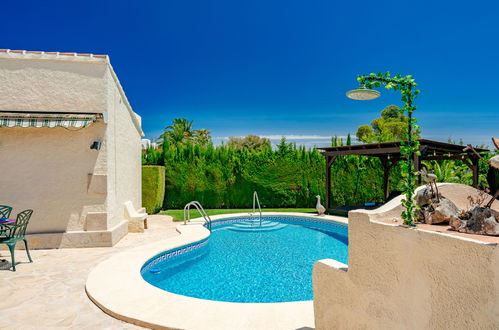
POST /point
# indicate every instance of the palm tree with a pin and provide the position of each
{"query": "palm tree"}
(179, 132)
(201, 136)
(449, 171)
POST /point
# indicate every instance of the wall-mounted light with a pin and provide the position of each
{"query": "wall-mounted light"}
(96, 145)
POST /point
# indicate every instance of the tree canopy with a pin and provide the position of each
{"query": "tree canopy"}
(389, 127)
(251, 141)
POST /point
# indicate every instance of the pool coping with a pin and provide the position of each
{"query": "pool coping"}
(117, 287)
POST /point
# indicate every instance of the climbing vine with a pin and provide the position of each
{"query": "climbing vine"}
(409, 145)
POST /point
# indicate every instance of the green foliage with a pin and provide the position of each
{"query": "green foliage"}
(336, 141)
(365, 134)
(389, 127)
(409, 143)
(152, 156)
(289, 176)
(181, 132)
(448, 172)
(252, 142)
(153, 187)
(349, 140)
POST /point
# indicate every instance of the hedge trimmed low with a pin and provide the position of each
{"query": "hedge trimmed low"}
(153, 187)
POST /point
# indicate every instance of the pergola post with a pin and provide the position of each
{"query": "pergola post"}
(329, 163)
(474, 161)
(417, 166)
(473, 165)
(386, 176)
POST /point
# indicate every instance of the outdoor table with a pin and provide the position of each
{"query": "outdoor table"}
(4, 222)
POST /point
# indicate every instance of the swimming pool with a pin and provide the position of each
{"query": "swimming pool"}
(244, 262)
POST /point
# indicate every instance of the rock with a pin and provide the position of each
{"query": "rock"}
(480, 220)
(457, 224)
(423, 197)
(433, 212)
(443, 211)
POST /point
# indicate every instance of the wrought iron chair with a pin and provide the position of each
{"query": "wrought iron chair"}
(15, 232)
(5, 211)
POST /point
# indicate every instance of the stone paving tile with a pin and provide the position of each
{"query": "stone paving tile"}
(50, 292)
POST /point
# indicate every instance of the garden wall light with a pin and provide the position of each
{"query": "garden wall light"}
(363, 94)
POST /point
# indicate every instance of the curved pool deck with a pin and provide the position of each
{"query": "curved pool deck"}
(117, 287)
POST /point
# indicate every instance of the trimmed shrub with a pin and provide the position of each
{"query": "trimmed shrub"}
(290, 176)
(153, 187)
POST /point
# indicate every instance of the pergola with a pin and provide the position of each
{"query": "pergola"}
(389, 155)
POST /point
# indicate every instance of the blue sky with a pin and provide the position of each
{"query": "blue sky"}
(276, 68)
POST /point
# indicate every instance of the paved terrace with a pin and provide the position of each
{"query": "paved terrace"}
(50, 292)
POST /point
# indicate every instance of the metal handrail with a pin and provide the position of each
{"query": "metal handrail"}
(199, 207)
(257, 200)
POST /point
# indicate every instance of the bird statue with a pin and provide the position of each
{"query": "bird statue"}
(494, 162)
(320, 209)
(430, 179)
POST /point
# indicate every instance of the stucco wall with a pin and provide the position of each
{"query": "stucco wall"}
(72, 189)
(124, 161)
(404, 278)
(52, 85)
(46, 169)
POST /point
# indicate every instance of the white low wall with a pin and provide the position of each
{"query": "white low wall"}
(406, 278)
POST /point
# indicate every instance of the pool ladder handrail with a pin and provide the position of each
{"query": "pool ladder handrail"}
(256, 201)
(199, 207)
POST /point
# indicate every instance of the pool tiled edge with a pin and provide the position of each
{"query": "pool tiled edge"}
(117, 287)
(172, 254)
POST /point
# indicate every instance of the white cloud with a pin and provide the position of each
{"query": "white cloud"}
(308, 141)
(288, 137)
(297, 137)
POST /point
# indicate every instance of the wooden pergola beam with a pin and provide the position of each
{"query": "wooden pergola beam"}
(446, 157)
(367, 152)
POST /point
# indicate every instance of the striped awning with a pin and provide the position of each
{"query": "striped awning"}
(40, 119)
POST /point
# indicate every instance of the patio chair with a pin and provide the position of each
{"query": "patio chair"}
(15, 232)
(5, 211)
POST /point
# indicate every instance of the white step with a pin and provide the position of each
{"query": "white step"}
(255, 226)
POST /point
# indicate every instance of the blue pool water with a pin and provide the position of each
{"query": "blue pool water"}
(248, 266)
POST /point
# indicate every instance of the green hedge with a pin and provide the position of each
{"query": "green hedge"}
(291, 177)
(153, 187)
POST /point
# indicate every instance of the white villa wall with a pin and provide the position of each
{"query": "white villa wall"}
(124, 162)
(46, 169)
(77, 193)
(73, 84)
